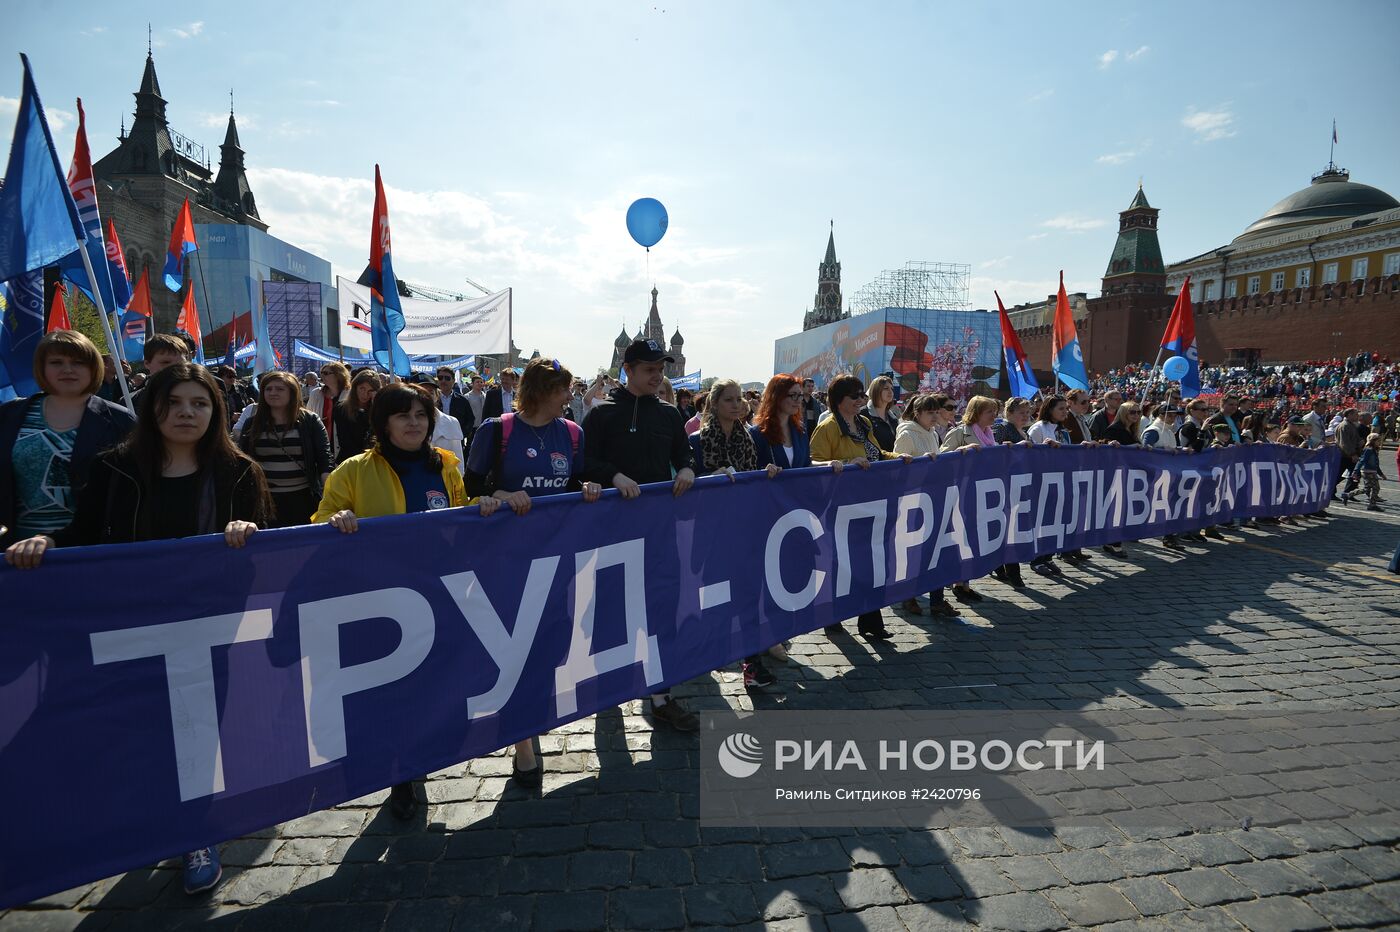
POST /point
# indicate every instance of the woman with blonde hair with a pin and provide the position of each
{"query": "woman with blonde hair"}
(974, 433)
(976, 427)
(724, 446)
(668, 392)
(1016, 419)
(48, 441)
(880, 410)
(289, 443)
(1126, 429)
(335, 385)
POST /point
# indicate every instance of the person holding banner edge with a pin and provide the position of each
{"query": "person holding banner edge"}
(849, 437)
(66, 422)
(723, 446)
(401, 473)
(632, 438)
(177, 474)
(529, 450)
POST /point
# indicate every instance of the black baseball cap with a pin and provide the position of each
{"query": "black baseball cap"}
(1297, 420)
(646, 351)
(1222, 428)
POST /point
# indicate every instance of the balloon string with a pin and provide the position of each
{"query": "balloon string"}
(648, 263)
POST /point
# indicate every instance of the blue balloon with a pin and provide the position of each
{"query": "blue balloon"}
(1176, 368)
(646, 221)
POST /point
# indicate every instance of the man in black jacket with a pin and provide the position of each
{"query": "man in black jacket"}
(450, 401)
(631, 438)
(1099, 423)
(502, 399)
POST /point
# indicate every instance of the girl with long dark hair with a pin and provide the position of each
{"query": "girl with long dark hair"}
(353, 432)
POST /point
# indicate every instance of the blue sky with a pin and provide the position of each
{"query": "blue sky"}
(512, 137)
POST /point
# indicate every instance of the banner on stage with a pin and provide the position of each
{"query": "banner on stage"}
(478, 326)
(311, 667)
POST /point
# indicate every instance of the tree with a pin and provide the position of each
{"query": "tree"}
(83, 314)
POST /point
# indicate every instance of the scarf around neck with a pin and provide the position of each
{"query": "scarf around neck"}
(736, 450)
(858, 433)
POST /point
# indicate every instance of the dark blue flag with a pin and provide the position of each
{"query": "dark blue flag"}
(38, 220)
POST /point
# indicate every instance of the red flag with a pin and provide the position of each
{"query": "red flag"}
(116, 266)
(188, 320)
(141, 297)
(182, 242)
(58, 312)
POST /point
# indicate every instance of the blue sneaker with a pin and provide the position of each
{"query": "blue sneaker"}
(202, 870)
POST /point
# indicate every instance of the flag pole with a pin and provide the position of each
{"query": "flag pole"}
(107, 328)
(204, 286)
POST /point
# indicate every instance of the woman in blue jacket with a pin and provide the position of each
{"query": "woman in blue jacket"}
(778, 433)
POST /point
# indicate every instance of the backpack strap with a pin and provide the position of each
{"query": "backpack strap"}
(575, 434)
(507, 422)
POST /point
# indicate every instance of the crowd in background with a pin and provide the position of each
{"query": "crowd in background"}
(203, 452)
(1366, 381)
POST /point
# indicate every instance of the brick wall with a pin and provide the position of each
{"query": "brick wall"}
(1293, 325)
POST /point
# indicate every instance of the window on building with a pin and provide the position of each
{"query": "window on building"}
(1392, 264)
(1209, 291)
(1277, 283)
(1329, 273)
(1253, 286)
(1359, 267)
(1232, 288)
(1304, 278)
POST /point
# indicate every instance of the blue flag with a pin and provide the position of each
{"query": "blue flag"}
(385, 312)
(38, 220)
(21, 328)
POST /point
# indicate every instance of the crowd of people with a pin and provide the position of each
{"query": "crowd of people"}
(1368, 382)
(202, 453)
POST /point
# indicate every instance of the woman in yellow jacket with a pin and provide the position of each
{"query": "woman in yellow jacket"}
(848, 437)
(402, 473)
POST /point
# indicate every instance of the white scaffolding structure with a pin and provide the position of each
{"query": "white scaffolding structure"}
(919, 285)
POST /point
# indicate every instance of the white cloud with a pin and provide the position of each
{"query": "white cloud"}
(59, 120)
(1115, 158)
(1038, 236)
(1073, 224)
(1210, 125)
(1139, 52)
(212, 120)
(94, 31)
(577, 276)
(188, 32)
(1108, 58)
(1037, 98)
(994, 263)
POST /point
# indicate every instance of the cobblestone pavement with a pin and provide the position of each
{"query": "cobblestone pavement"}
(1289, 613)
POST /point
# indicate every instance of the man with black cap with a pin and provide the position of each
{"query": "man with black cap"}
(631, 438)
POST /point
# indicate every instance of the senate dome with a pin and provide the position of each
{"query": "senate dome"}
(1332, 196)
